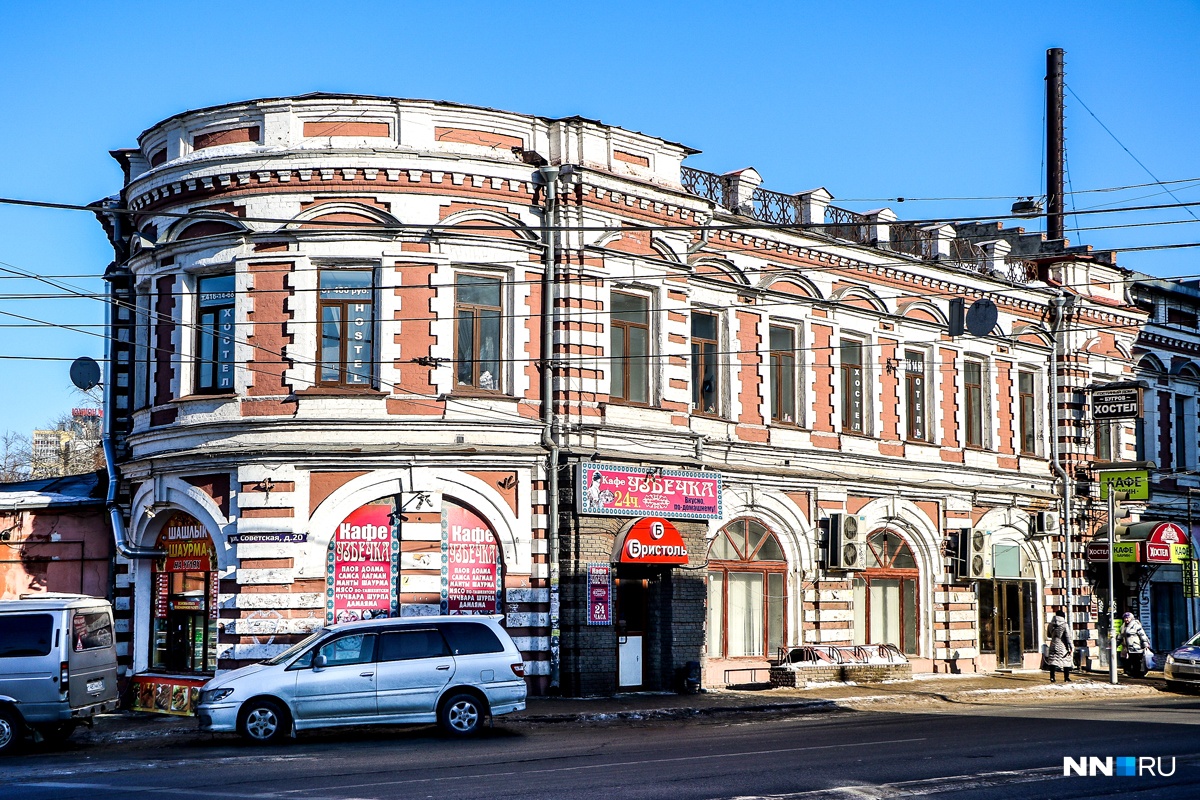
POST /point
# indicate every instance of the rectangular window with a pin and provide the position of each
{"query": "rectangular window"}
(91, 630)
(706, 384)
(477, 315)
(346, 312)
(25, 635)
(1180, 432)
(716, 614)
(630, 348)
(1104, 441)
(783, 374)
(1028, 412)
(973, 402)
(917, 428)
(214, 334)
(853, 390)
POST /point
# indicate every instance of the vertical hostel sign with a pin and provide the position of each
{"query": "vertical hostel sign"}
(363, 566)
(472, 579)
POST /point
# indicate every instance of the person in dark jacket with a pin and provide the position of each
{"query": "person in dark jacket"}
(1059, 647)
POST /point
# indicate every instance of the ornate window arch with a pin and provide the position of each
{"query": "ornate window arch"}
(886, 609)
(747, 591)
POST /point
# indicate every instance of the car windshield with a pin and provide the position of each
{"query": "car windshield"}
(296, 648)
(1193, 642)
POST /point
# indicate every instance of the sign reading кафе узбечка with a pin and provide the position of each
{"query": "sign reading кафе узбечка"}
(612, 490)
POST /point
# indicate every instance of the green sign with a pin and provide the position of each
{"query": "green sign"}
(1126, 552)
(1191, 578)
(1134, 481)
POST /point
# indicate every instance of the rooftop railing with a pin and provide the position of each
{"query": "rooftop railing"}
(919, 241)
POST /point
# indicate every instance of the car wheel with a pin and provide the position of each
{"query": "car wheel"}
(57, 733)
(462, 715)
(10, 730)
(263, 721)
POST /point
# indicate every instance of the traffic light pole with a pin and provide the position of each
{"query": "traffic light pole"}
(1112, 598)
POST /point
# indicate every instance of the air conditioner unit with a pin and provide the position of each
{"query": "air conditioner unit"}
(974, 560)
(847, 547)
(1046, 523)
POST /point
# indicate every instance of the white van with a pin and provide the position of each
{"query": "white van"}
(455, 671)
(58, 665)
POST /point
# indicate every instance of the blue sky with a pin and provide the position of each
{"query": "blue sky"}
(871, 100)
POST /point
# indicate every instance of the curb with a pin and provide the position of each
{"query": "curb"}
(149, 726)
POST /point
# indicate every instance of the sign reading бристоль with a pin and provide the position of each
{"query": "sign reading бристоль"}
(622, 491)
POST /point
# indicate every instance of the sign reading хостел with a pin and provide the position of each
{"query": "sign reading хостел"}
(621, 491)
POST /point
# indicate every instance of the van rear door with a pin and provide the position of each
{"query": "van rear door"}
(91, 657)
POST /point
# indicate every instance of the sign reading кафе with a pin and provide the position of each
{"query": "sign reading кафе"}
(622, 491)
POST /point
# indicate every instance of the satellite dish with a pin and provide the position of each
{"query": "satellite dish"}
(85, 373)
(981, 317)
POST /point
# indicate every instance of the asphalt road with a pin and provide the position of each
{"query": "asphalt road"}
(994, 750)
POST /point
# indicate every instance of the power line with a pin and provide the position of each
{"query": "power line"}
(310, 224)
(1127, 150)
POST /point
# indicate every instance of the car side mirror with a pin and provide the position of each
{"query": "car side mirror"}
(320, 662)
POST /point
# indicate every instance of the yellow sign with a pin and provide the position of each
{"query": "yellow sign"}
(1127, 552)
(1136, 482)
(1180, 553)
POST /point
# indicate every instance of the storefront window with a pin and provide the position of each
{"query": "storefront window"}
(184, 635)
(747, 592)
(885, 594)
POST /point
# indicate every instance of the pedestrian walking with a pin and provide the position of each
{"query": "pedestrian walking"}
(1059, 649)
(1136, 644)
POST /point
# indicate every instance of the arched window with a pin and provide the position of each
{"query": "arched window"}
(885, 594)
(747, 592)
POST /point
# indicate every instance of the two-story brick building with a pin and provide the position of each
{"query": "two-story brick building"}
(338, 319)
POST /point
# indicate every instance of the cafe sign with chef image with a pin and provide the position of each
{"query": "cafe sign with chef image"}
(621, 491)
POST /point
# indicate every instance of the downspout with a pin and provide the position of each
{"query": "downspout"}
(1056, 305)
(120, 535)
(549, 414)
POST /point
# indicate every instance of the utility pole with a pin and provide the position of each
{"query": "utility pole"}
(1055, 144)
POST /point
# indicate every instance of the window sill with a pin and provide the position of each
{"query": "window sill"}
(199, 397)
(480, 395)
(619, 401)
(338, 391)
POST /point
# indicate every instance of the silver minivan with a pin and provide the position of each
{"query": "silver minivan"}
(58, 665)
(454, 670)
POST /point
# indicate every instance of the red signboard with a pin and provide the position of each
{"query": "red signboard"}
(189, 547)
(599, 588)
(472, 577)
(652, 540)
(363, 562)
(634, 491)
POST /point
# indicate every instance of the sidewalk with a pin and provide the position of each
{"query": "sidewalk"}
(923, 690)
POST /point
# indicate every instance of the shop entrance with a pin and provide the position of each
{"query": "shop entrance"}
(1169, 610)
(1006, 620)
(184, 636)
(631, 616)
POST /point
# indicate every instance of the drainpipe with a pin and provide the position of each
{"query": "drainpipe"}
(120, 537)
(1056, 305)
(549, 414)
